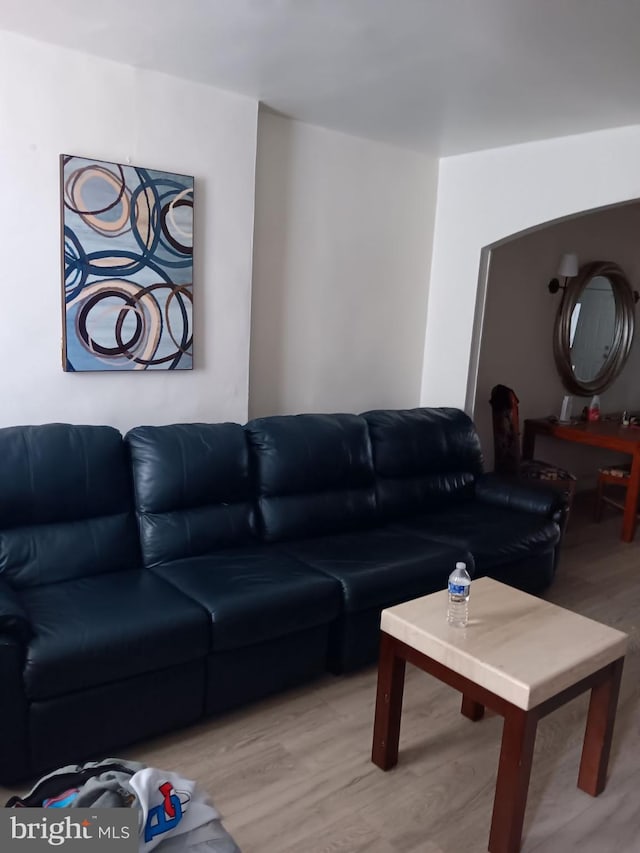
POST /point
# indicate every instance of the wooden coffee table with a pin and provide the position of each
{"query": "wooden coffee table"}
(520, 656)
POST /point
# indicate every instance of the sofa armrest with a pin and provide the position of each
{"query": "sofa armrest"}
(14, 621)
(511, 493)
(15, 762)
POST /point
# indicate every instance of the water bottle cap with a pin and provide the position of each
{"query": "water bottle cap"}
(461, 565)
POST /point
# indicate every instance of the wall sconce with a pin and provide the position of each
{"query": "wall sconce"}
(568, 269)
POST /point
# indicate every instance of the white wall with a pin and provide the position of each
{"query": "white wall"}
(516, 348)
(341, 265)
(487, 196)
(55, 101)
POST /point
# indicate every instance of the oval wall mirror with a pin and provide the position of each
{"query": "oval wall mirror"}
(594, 328)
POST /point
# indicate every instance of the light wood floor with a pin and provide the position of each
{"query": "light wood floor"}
(293, 774)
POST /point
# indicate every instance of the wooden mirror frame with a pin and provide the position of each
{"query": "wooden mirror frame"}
(624, 299)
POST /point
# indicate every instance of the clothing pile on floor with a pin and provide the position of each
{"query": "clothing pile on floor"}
(176, 816)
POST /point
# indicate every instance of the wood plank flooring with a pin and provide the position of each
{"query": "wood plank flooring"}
(293, 774)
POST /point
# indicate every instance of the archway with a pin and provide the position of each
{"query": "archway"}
(516, 313)
(484, 196)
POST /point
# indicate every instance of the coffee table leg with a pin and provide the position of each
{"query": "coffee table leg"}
(386, 727)
(512, 785)
(471, 709)
(599, 732)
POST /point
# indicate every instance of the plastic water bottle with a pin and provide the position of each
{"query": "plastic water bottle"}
(459, 587)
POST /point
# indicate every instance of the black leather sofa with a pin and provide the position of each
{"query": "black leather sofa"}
(187, 569)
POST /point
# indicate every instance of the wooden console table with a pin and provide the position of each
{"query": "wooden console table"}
(607, 434)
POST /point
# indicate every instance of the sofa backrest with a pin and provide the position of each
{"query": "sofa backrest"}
(66, 508)
(423, 458)
(192, 489)
(313, 473)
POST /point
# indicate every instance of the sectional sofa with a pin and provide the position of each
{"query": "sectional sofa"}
(184, 570)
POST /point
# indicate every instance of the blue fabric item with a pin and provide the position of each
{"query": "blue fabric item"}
(62, 801)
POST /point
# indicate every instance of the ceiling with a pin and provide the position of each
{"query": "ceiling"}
(444, 76)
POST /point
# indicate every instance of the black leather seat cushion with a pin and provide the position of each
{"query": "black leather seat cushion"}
(106, 628)
(380, 567)
(254, 594)
(492, 534)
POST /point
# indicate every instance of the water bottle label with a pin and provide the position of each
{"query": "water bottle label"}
(458, 588)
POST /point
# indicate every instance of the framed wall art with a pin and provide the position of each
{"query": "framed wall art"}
(127, 244)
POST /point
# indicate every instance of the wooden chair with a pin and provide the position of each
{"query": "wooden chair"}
(614, 475)
(508, 450)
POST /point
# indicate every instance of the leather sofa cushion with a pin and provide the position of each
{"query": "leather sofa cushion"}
(14, 621)
(514, 493)
(314, 474)
(254, 594)
(106, 628)
(493, 535)
(379, 568)
(66, 508)
(192, 489)
(51, 553)
(423, 458)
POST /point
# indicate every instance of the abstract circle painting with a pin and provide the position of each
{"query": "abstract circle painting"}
(127, 244)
